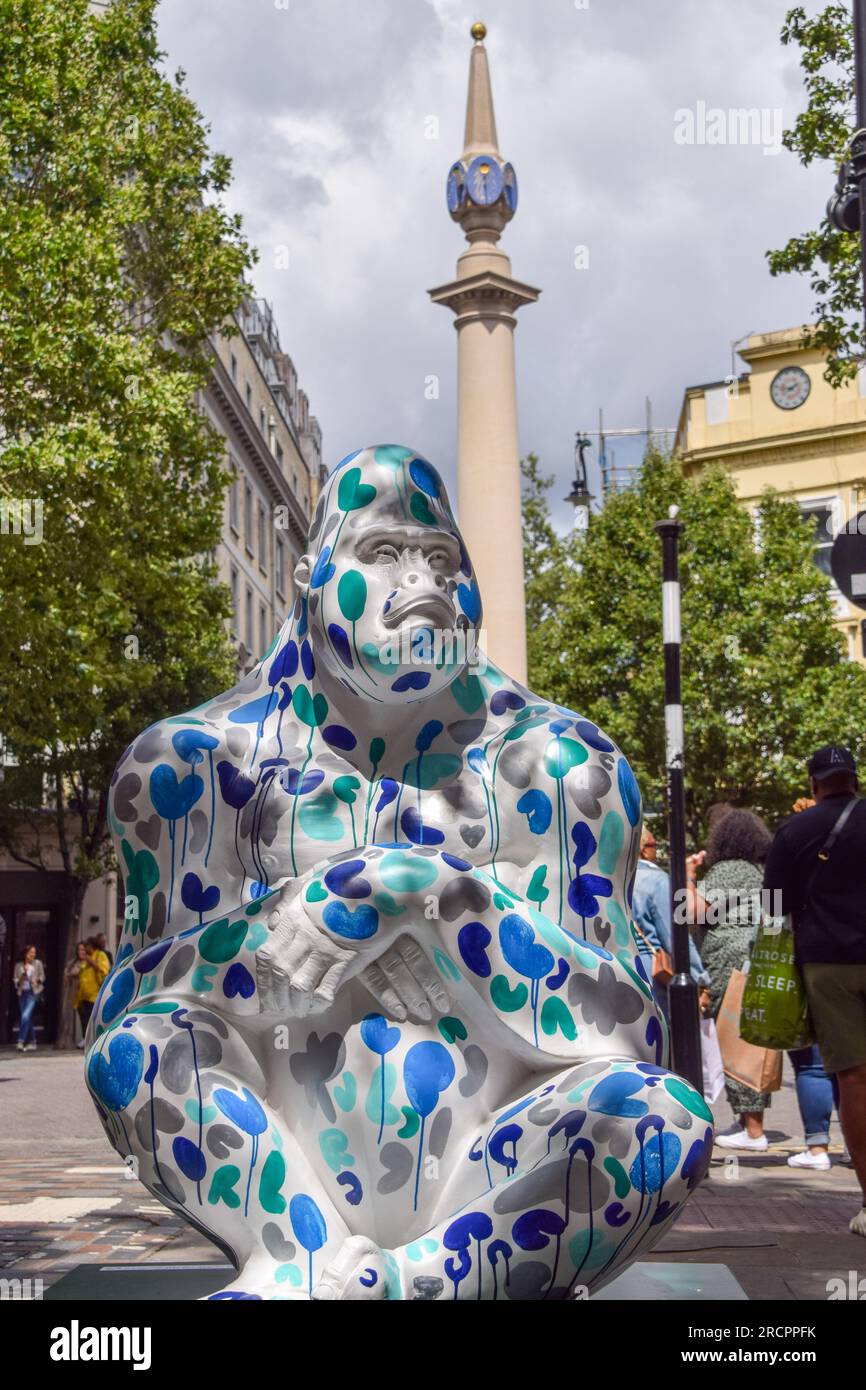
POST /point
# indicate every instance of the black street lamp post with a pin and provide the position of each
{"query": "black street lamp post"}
(847, 206)
(682, 990)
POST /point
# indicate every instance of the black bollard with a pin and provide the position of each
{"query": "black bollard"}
(682, 990)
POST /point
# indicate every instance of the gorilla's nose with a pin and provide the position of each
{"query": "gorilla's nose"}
(413, 577)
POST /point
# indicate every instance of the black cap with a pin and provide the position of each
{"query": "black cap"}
(830, 760)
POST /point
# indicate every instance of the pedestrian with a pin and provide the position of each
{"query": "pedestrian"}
(93, 970)
(736, 852)
(102, 943)
(816, 867)
(816, 1092)
(29, 980)
(71, 978)
(651, 910)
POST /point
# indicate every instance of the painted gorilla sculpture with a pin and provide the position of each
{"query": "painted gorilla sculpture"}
(378, 1024)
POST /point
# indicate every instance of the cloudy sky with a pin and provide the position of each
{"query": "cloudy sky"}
(327, 108)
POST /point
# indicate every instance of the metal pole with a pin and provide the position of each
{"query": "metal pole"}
(858, 150)
(682, 991)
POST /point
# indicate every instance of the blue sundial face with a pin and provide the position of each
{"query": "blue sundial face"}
(484, 180)
(510, 180)
(455, 189)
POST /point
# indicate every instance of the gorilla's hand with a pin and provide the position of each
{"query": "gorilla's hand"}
(300, 967)
(405, 982)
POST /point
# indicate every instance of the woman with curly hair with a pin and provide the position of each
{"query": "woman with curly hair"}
(736, 852)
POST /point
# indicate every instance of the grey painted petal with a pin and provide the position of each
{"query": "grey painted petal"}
(476, 1071)
(465, 731)
(517, 764)
(237, 740)
(157, 915)
(528, 1281)
(176, 1063)
(463, 894)
(160, 1115)
(198, 828)
(399, 1163)
(150, 831)
(178, 964)
(152, 745)
(276, 1243)
(125, 793)
(472, 835)
(439, 1132)
(222, 1138)
(427, 1287)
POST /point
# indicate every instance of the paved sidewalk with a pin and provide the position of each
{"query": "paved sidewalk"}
(66, 1198)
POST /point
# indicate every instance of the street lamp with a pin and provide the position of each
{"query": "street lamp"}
(580, 496)
(847, 206)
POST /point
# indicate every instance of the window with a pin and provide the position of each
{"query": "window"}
(235, 602)
(279, 454)
(248, 517)
(262, 539)
(823, 517)
(263, 629)
(263, 425)
(234, 507)
(280, 558)
(234, 368)
(295, 483)
(251, 636)
(249, 396)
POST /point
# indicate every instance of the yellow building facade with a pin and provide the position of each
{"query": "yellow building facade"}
(781, 425)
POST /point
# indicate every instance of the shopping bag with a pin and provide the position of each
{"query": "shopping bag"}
(775, 1010)
(759, 1068)
(711, 1056)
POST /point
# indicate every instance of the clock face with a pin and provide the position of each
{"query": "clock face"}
(510, 180)
(790, 388)
(484, 180)
(455, 189)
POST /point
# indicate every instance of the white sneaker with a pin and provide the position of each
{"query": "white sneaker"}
(20, 1047)
(741, 1140)
(820, 1162)
(31, 1047)
(857, 1224)
(846, 1157)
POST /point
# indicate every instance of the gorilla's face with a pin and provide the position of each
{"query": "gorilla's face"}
(394, 610)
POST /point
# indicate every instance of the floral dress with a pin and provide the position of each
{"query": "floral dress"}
(726, 945)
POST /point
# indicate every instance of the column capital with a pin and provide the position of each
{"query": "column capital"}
(486, 295)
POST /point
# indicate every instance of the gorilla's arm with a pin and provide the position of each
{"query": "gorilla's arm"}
(564, 997)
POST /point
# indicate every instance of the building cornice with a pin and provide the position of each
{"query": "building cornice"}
(255, 448)
(779, 448)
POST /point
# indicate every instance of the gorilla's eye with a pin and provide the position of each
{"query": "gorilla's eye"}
(386, 554)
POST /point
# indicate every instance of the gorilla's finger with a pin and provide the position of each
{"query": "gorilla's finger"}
(425, 973)
(404, 983)
(382, 991)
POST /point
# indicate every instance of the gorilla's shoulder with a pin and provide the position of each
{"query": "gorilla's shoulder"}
(175, 747)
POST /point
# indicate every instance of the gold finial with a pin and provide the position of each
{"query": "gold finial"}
(478, 32)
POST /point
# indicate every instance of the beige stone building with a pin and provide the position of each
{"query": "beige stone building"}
(274, 450)
(781, 425)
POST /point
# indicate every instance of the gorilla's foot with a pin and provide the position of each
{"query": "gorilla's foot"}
(357, 1273)
(257, 1281)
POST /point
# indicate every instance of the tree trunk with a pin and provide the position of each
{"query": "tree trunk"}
(76, 889)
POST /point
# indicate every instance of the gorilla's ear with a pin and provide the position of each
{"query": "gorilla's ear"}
(302, 574)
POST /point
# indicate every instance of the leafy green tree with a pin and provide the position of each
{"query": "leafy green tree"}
(116, 261)
(823, 131)
(764, 679)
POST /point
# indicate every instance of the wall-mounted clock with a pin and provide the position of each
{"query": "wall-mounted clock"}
(790, 388)
(484, 180)
(455, 189)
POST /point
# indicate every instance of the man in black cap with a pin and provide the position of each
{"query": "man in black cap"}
(817, 863)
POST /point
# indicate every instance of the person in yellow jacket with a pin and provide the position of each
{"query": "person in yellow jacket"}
(93, 968)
